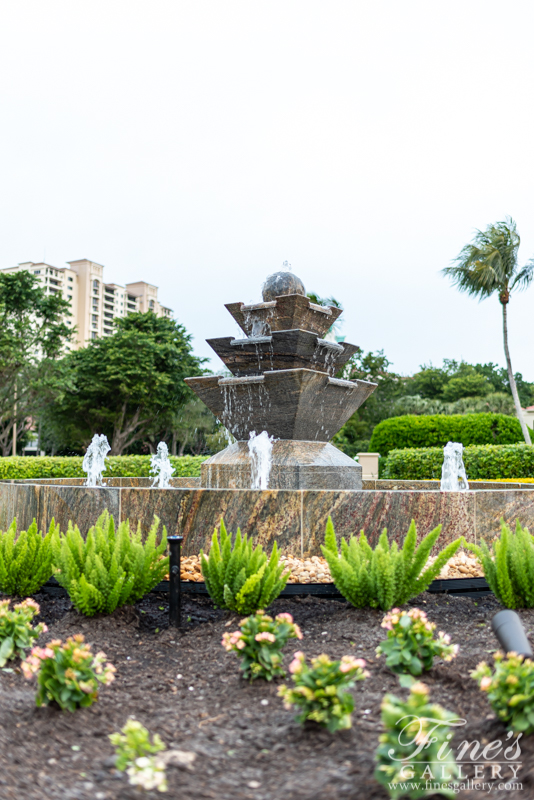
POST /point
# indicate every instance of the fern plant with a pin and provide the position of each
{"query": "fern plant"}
(240, 578)
(386, 576)
(509, 566)
(111, 567)
(25, 560)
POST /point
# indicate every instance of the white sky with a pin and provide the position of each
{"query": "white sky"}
(197, 144)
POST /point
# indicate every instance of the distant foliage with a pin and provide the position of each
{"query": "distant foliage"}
(386, 576)
(26, 467)
(436, 430)
(25, 560)
(111, 567)
(320, 691)
(484, 462)
(509, 566)
(240, 578)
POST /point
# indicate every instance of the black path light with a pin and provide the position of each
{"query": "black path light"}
(509, 630)
(175, 594)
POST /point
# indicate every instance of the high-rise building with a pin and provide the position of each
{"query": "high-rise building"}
(94, 304)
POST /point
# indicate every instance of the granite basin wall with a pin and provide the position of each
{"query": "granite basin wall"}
(296, 519)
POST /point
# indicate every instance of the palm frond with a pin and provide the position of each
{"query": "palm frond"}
(524, 276)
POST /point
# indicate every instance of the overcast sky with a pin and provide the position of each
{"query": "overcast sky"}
(197, 144)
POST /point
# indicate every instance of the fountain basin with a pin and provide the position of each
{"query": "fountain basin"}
(295, 519)
(289, 404)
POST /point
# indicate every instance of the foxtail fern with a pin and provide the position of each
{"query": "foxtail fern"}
(509, 566)
(111, 567)
(386, 576)
(25, 560)
(240, 578)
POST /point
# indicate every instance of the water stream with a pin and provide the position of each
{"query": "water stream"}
(161, 467)
(453, 477)
(94, 460)
(260, 447)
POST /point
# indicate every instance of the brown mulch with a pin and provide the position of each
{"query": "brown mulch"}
(184, 686)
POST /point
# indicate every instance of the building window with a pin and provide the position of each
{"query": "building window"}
(69, 297)
(95, 287)
(37, 272)
(93, 335)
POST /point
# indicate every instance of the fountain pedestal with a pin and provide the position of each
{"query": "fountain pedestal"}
(283, 384)
(295, 465)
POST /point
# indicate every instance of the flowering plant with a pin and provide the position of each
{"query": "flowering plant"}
(135, 754)
(259, 642)
(413, 747)
(321, 691)
(16, 632)
(67, 673)
(510, 690)
(410, 646)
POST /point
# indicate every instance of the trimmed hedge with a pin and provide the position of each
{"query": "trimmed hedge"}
(435, 430)
(22, 467)
(482, 462)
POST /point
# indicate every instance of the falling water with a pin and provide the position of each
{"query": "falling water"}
(161, 467)
(94, 460)
(261, 457)
(453, 477)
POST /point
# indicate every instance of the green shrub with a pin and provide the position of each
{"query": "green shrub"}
(240, 578)
(510, 690)
(321, 691)
(386, 576)
(410, 646)
(137, 755)
(27, 467)
(484, 462)
(259, 644)
(435, 430)
(413, 753)
(16, 631)
(25, 560)
(509, 566)
(110, 568)
(67, 674)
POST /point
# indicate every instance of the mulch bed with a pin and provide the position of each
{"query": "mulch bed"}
(184, 686)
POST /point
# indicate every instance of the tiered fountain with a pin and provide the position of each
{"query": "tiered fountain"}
(283, 383)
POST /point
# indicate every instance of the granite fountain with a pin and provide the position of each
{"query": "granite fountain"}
(284, 386)
(283, 383)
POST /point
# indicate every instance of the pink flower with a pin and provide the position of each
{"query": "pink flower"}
(485, 683)
(298, 632)
(265, 637)
(241, 644)
(284, 618)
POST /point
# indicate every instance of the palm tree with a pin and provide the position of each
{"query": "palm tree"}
(489, 265)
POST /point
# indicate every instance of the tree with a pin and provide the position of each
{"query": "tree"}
(33, 334)
(489, 266)
(129, 384)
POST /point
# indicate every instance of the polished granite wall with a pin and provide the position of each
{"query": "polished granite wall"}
(295, 519)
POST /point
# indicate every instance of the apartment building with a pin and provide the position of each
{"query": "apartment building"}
(94, 303)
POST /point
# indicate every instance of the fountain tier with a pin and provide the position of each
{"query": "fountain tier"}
(289, 404)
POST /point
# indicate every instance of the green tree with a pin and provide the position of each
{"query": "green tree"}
(487, 266)
(33, 335)
(127, 385)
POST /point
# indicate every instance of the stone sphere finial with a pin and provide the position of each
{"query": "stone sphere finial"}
(280, 283)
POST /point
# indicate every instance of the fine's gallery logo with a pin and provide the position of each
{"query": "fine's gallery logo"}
(472, 764)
